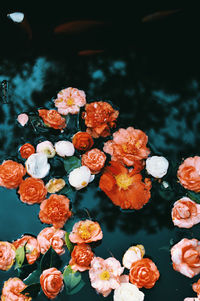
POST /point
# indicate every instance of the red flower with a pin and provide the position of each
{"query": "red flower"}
(26, 150)
(82, 141)
(11, 174)
(82, 256)
(52, 119)
(94, 159)
(32, 191)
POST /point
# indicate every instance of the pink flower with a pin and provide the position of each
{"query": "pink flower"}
(105, 274)
(32, 248)
(189, 173)
(70, 100)
(51, 236)
(51, 281)
(22, 119)
(11, 290)
(7, 255)
(85, 232)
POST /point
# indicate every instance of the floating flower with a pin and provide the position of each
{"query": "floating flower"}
(133, 254)
(189, 173)
(157, 166)
(94, 159)
(46, 147)
(144, 273)
(82, 141)
(191, 299)
(196, 288)
(55, 185)
(26, 150)
(186, 257)
(80, 177)
(23, 119)
(128, 145)
(51, 237)
(51, 282)
(11, 174)
(52, 119)
(7, 255)
(37, 165)
(32, 191)
(128, 292)
(64, 148)
(55, 210)
(12, 290)
(31, 247)
(85, 232)
(81, 258)
(125, 188)
(70, 100)
(185, 213)
(99, 118)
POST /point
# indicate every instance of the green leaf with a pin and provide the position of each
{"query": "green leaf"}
(73, 281)
(67, 190)
(26, 270)
(50, 259)
(194, 196)
(77, 288)
(69, 244)
(33, 277)
(32, 290)
(71, 163)
(19, 256)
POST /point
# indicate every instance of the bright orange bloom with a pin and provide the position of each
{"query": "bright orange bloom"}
(82, 141)
(94, 159)
(26, 150)
(11, 174)
(85, 232)
(51, 281)
(32, 191)
(188, 173)
(31, 246)
(52, 119)
(196, 287)
(82, 256)
(125, 188)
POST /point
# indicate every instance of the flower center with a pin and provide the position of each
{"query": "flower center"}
(70, 101)
(124, 181)
(105, 275)
(84, 232)
(84, 183)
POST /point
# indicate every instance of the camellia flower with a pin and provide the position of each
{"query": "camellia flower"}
(51, 237)
(37, 165)
(64, 148)
(99, 118)
(196, 288)
(128, 145)
(133, 254)
(12, 290)
(124, 187)
(191, 299)
(7, 255)
(46, 147)
(189, 173)
(32, 191)
(85, 232)
(82, 141)
(81, 258)
(80, 177)
(51, 281)
(55, 210)
(70, 100)
(31, 247)
(26, 150)
(186, 257)
(11, 174)
(23, 119)
(52, 119)
(144, 273)
(94, 159)
(128, 292)
(185, 213)
(157, 166)
(55, 185)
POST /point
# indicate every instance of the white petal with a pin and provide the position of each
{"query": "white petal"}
(16, 17)
(80, 177)
(64, 148)
(46, 147)
(157, 166)
(37, 165)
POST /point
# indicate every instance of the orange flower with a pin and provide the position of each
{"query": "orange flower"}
(55, 210)
(52, 119)
(144, 273)
(124, 187)
(196, 287)
(11, 174)
(99, 118)
(7, 255)
(12, 289)
(94, 159)
(82, 256)
(32, 248)
(85, 232)
(189, 173)
(32, 191)
(82, 141)
(51, 282)
(26, 150)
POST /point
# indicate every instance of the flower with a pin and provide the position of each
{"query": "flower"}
(51, 282)
(26, 150)
(37, 165)
(196, 287)
(186, 257)
(23, 119)
(46, 147)
(85, 232)
(128, 145)
(99, 118)
(94, 159)
(125, 188)
(55, 210)
(185, 213)
(128, 292)
(32, 191)
(12, 289)
(52, 119)
(80, 177)
(31, 247)
(133, 254)
(189, 173)
(70, 100)
(144, 273)
(82, 141)
(191, 299)
(105, 274)
(64, 148)
(11, 174)
(7, 255)
(157, 166)
(81, 258)
(55, 185)
(51, 237)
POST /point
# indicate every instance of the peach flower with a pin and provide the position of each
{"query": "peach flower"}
(85, 232)
(186, 257)
(11, 174)
(94, 159)
(51, 282)
(81, 258)
(55, 185)
(32, 191)
(185, 213)
(128, 145)
(12, 289)
(23, 119)
(7, 255)
(52, 119)
(51, 237)
(26, 150)
(133, 254)
(82, 141)
(70, 100)
(32, 248)
(189, 173)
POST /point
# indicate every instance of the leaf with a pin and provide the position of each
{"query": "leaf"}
(32, 290)
(69, 244)
(71, 163)
(67, 190)
(50, 259)
(19, 256)
(73, 281)
(77, 288)
(33, 277)
(26, 270)
(194, 196)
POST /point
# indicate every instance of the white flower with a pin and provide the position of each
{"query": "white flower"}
(80, 177)
(46, 147)
(17, 17)
(22, 119)
(128, 292)
(64, 148)
(37, 165)
(157, 166)
(133, 254)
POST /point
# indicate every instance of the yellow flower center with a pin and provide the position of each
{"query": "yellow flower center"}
(60, 99)
(124, 181)
(105, 275)
(84, 183)
(84, 232)
(70, 101)
(124, 147)
(138, 144)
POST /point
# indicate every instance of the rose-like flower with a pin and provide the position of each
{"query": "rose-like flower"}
(32, 191)
(52, 119)
(55, 210)
(82, 141)
(157, 166)
(12, 289)
(133, 254)
(37, 165)
(81, 258)
(64, 148)
(70, 100)
(51, 282)
(11, 174)
(189, 173)
(128, 292)
(55, 185)
(144, 273)
(94, 159)
(23, 119)
(185, 213)
(80, 177)
(46, 147)
(26, 150)
(196, 288)
(7, 255)
(85, 232)
(32, 248)
(51, 237)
